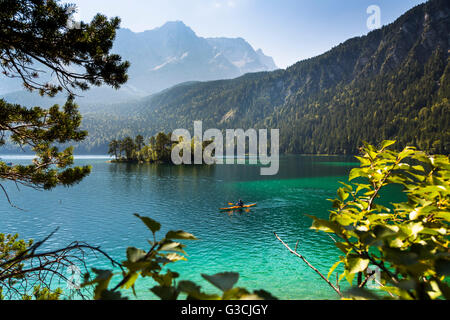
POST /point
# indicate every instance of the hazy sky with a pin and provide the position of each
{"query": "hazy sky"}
(287, 30)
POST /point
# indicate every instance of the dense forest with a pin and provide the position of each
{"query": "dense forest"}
(390, 84)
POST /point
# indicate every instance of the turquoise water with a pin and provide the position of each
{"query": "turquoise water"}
(100, 210)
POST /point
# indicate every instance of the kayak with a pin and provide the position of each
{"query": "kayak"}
(239, 207)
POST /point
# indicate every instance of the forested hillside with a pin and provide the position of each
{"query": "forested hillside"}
(391, 84)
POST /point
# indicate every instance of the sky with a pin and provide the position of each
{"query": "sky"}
(287, 30)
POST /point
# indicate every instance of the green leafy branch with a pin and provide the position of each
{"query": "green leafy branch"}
(151, 264)
(408, 242)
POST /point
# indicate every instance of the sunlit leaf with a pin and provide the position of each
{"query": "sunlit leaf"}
(355, 265)
(387, 143)
(335, 265)
(180, 235)
(130, 280)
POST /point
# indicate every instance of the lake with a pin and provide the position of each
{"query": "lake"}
(99, 211)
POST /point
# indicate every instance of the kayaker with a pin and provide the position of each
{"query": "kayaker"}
(240, 203)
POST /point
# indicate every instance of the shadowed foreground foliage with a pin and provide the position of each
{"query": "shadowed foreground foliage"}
(152, 264)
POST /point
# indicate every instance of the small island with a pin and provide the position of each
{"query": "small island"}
(158, 150)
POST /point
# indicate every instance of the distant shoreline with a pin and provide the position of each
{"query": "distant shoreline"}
(101, 156)
(29, 157)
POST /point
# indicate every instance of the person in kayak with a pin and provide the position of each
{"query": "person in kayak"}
(240, 203)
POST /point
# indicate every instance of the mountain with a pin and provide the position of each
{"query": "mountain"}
(161, 58)
(173, 54)
(392, 83)
(241, 55)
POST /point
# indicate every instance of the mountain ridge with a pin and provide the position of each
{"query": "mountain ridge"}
(160, 58)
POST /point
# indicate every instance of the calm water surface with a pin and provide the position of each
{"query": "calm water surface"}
(100, 210)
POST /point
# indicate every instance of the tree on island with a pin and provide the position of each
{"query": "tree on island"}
(128, 147)
(139, 142)
(114, 147)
